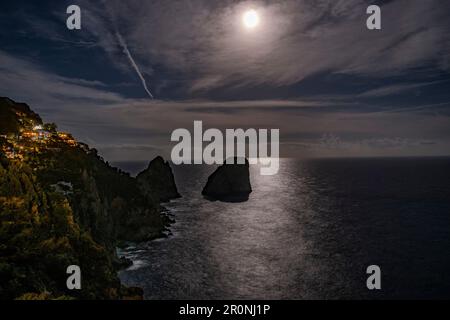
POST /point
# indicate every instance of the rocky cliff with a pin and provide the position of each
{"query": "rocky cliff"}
(157, 181)
(229, 183)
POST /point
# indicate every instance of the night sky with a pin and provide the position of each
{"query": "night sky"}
(310, 68)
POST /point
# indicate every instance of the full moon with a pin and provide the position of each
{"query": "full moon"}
(250, 19)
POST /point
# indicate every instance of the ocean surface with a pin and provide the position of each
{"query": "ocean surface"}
(309, 232)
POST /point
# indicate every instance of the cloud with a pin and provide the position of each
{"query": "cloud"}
(330, 145)
(395, 89)
(113, 123)
(205, 41)
(26, 81)
(201, 44)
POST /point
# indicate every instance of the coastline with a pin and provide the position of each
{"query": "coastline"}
(81, 209)
(126, 253)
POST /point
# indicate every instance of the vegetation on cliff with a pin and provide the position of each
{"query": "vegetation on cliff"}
(61, 204)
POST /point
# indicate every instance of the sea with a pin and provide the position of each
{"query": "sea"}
(309, 232)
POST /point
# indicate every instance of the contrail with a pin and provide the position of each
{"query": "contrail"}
(133, 63)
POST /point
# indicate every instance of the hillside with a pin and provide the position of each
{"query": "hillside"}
(62, 204)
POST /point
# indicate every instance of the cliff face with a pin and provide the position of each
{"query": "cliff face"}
(158, 182)
(229, 183)
(14, 116)
(62, 204)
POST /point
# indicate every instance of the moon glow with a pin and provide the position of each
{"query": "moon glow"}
(250, 19)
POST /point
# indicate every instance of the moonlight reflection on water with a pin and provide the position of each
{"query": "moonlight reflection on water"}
(307, 233)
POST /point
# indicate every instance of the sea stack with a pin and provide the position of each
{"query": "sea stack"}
(158, 181)
(229, 183)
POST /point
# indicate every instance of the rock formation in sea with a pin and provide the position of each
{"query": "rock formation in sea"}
(229, 183)
(158, 181)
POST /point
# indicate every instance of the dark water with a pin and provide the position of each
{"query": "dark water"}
(309, 232)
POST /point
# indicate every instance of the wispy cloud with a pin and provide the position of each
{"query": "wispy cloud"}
(202, 44)
(133, 64)
(296, 39)
(395, 89)
(24, 80)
